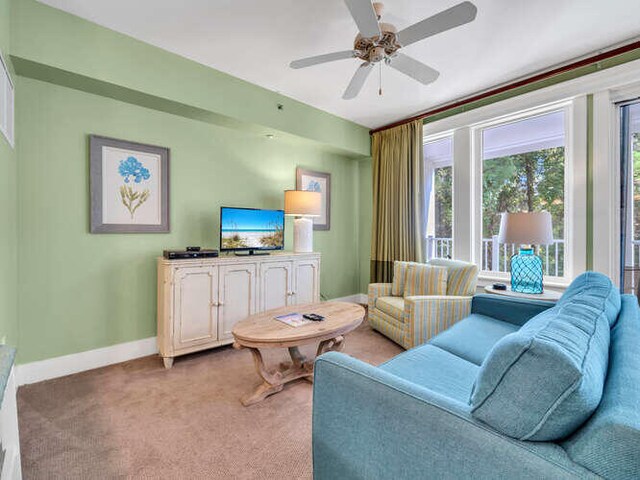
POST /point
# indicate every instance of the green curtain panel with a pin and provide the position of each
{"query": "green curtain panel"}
(398, 225)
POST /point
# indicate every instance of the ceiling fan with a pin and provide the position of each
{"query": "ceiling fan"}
(381, 42)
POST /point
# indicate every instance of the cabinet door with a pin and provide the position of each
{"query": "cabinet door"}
(237, 296)
(276, 284)
(306, 286)
(195, 317)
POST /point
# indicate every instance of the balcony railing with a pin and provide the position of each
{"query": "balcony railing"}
(495, 255)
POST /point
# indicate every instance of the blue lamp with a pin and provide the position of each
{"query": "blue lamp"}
(526, 229)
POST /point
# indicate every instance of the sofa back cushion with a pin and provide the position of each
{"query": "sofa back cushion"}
(399, 277)
(422, 279)
(609, 442)
(462, 277)
(542, 382)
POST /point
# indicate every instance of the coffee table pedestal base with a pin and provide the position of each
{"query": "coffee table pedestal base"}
(299, 367)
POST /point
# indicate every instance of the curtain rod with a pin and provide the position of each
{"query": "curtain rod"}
(520, 83)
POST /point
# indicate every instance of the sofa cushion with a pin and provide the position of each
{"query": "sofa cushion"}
(473, 337)
(435, 369)
(422, 279)
(592, 289)
(543, 381)
(462, 277)
(399, 276)
(609, 442)
(393, 306)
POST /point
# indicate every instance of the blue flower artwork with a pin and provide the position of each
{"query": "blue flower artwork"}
(132, 168)
(314, 186)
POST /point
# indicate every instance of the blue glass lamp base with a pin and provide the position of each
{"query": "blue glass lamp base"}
(526, 272)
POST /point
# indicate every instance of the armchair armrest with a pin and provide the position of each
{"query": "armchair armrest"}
(430, 315)
(508, 309)
(370, 424)
(377, 290)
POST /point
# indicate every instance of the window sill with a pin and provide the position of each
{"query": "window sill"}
(555, 283)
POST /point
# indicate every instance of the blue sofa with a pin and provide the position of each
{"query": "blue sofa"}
(518, 389)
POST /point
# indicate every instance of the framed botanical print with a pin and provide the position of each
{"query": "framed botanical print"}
(317, 182)
(129, 186)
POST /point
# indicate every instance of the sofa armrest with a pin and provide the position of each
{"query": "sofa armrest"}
(370, 424)
(377, 290)
(432, 314)
(508, 309)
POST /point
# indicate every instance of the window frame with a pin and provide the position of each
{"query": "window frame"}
(435, 138)
(569, 197)
(466, 129)
(606, 167)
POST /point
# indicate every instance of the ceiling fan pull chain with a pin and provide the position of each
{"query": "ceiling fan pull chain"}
(380, 87)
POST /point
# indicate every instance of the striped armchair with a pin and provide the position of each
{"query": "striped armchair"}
(413, 320)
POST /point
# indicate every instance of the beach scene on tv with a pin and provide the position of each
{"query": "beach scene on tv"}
(252, 229)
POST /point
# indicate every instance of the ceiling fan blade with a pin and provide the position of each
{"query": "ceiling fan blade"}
(414, 69)
(327, 57)
(455, 16)
(365, 17)
(357, 82)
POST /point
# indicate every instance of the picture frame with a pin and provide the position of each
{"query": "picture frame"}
(319, 182)
(129, 185)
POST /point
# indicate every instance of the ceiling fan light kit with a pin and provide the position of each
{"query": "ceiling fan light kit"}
(379, 42)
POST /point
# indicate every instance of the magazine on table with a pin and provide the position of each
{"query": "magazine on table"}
(293, 319)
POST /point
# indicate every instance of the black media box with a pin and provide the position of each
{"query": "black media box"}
(182, 254)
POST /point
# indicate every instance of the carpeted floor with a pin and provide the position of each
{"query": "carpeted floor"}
(138, 420)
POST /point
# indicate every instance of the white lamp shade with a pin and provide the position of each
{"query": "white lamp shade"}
(302, 203)
(533, 228)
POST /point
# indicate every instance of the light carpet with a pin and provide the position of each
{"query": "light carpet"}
(138, 420)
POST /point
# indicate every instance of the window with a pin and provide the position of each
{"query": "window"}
(630, 196)
(523, 169)
(514, 155)
(6, 102)
(438, 157)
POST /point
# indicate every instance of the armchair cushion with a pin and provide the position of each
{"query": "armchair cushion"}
(422, 279)
(393, 306)
(473, 337)
(462, 277)
(399, 276)
(542, 382)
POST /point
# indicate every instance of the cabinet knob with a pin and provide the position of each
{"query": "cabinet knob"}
(214, 304)
(220, 304)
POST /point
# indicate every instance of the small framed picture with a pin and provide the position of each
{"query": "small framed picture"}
(317, 182)
(129, 186)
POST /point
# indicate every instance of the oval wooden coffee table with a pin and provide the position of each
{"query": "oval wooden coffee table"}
(264, 331)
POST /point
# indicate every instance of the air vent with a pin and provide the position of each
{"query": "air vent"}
(6, 102)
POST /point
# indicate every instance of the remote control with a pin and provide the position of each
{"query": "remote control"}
(193, 249)
(313, 316)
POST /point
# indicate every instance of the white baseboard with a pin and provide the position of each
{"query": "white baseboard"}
(101, 357)
(355, 298)
(79, 362)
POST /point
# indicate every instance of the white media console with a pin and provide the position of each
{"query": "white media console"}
(200, 300)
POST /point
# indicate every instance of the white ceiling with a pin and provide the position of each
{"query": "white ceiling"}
(256, 39)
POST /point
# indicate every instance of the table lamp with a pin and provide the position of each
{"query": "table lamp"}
(526, 229)
(302, 205)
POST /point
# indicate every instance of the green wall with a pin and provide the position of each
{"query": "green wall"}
(55, 46)
(8, 228)
(77, 291)
(80, 291)
(365, 213)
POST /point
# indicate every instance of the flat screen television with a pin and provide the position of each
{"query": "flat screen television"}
(251, 230)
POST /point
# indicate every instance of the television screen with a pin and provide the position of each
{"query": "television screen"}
(251, 229)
